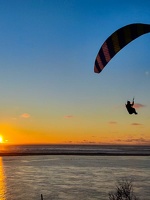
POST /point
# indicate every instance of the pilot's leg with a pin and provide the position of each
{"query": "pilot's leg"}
(134, 111)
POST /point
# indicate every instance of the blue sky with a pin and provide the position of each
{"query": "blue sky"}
(48, 49)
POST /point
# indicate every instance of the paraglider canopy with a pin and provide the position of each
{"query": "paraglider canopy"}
(115, 42)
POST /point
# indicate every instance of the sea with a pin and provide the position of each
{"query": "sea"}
(72, 172)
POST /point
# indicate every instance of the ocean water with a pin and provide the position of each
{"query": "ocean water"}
(71, 177)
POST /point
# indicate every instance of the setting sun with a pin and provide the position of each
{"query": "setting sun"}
(1, 139)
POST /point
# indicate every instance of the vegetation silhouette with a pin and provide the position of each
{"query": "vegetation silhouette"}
(124, 191)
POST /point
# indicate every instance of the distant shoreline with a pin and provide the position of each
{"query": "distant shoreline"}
(74, 150)
(73, 154)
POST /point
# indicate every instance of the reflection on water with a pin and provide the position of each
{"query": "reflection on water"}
(2, 181)
(73, 177)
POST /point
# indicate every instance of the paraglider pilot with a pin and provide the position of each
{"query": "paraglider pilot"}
(130, 108)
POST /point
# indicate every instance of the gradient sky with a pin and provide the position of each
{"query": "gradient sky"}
(49, 92)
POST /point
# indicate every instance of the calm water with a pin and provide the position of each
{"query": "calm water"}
(71, 177)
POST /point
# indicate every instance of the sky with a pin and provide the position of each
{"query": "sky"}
(49, 92)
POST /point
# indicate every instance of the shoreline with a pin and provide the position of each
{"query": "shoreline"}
(72, 154)
(74, 150)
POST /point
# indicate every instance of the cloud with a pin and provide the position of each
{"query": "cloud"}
(25, 115)
(87, 142)
(68, 116)
(136, 124)
(140, 140)
(112, 122)
(138, 105)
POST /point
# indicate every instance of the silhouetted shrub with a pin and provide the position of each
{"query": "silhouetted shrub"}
(123, 191)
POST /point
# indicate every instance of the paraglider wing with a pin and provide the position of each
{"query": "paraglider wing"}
(116, 42)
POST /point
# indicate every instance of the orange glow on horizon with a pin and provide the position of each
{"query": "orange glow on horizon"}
(109, 134)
